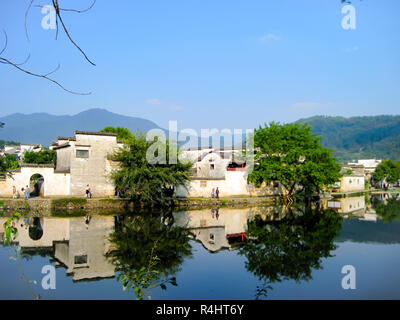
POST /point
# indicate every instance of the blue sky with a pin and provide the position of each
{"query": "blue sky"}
(208, 63)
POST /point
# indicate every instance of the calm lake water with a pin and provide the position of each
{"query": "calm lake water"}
(265, 253)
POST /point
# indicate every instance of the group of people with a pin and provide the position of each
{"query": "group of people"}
(26, 191)
(215, 193)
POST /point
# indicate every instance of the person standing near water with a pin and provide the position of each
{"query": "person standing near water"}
(212, 193)
(14, 192)
(217, 193)
(88, 193)
(27, 192)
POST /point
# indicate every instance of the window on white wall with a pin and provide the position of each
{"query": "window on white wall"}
(82, 153)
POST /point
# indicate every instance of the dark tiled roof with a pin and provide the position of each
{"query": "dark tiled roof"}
(62, 171)
(62, 146)
(34, 165)
(96, 133)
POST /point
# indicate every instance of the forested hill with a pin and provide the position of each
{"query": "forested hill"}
(359, 137)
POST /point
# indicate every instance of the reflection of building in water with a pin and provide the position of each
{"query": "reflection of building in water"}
(213, 228)
(354, 205)
(84, 253)
(54, 229)
(78, 246)
(347, 205)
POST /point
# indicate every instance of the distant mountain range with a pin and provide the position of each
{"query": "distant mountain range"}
(359, 137)
(351, 138)
(44, 128)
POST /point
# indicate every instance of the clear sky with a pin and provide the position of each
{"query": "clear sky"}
(209, 63)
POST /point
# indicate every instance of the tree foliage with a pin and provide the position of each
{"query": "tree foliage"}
(148, 250)
(11, 161)
(389, 210)
(387, 171)
(293, 156)
(41, 157)
(8, 162)
(123, 134)
(145, 182)
(3, 167)
(291, 248)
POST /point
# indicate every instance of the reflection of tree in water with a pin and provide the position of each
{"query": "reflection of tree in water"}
(289, 248)
(148, 250)
(388, 210)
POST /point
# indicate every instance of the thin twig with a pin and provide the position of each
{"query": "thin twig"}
(5, 45)
(58, 67)
(79, 11)
(57, 8)
(58, 19)
(26, 16)
(25, 61)
(35, 297)
(44, 76)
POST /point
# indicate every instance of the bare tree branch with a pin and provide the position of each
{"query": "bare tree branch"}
(44, 76)
(5, 45)
(80, 11)
(26, 60)
(26, 17)
(73, 10)
(58, 19)
(56, 69)
(57, 8)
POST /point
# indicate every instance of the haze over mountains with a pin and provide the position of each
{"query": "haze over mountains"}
(352, 138)
(44, 128)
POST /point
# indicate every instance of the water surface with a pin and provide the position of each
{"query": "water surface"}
(265, 253)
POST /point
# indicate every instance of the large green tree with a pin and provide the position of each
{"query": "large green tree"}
(148, 250)
(145, 181)
(292, 155)
(290, 248)
(388, 171)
